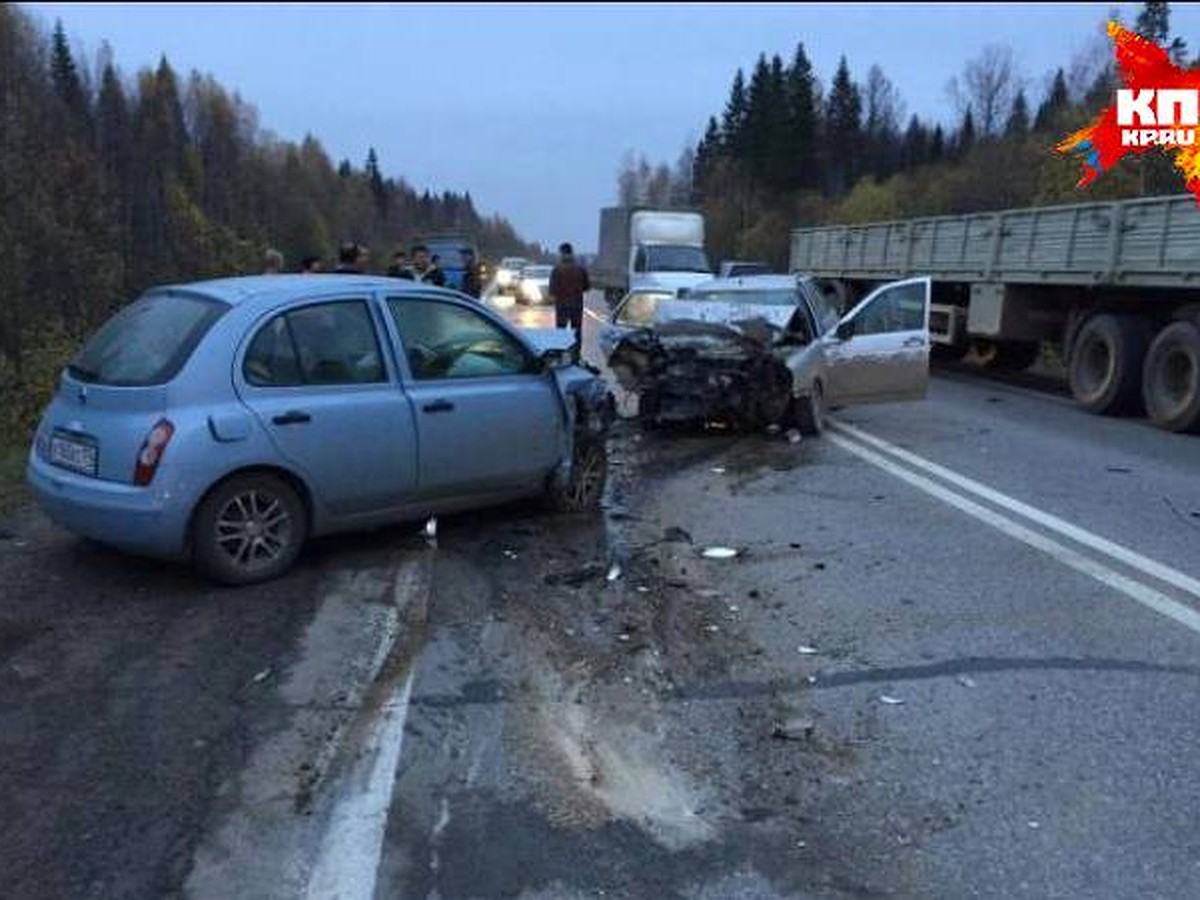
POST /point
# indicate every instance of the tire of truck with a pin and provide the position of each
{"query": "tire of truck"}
(1171, 378)
(1107, 357)
(1008, 356)
(808, 413)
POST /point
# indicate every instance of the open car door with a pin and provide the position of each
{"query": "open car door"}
(879, 351)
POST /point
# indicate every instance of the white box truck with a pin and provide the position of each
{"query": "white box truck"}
(649, 248)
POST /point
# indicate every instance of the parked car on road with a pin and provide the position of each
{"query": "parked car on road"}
(509, 271)
(534, 284)
(227, 421)
(768, 349)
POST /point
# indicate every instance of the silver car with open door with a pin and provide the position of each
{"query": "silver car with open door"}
(769, 349)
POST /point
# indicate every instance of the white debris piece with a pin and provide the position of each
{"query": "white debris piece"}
(642, 589)
(793, 436)
(614, 572)
(718, 470)
(890, 701)
(510, 554)
(965, 681)
(805, 650)
(262, 676)
(712, 629)
(719, 553)
(431, 528)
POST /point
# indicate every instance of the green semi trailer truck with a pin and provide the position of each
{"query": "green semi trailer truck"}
(1115, 285)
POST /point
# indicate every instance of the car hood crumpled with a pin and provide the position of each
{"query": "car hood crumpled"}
(685, 370)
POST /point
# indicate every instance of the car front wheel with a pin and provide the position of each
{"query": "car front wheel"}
(249, 529)
(584, 487)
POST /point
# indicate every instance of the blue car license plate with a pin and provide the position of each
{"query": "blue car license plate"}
(76, 455)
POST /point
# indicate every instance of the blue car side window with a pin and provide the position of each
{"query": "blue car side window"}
(443, 340)
(327, 343)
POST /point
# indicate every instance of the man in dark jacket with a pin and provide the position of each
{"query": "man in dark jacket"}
(568, 283)
(472, 281)
(352, 259)
(423, 271)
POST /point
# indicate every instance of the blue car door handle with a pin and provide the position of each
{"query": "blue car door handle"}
(438, 406)
(292, 417)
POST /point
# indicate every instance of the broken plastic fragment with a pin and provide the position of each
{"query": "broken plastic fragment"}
(431, 528)
(712, 628)
(510, 554)
(718, 470)
(966, 681)
(793, 436)
(614, 572)
(890, 701)
(262, 676)
(642, 589)
(805, 650)
(773, 429)
(719, 553)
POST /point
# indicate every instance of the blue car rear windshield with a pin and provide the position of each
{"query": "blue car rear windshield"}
(147, 342)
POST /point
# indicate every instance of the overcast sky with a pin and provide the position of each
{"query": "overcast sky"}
(531, 107)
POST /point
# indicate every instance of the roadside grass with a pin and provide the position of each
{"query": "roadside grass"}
(12, 475)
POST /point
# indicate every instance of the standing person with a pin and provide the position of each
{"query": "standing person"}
(423, 270)
(472, 280)
(310, 265)
(352, 259)
(568, 283)
(399, 267)
(272, 262)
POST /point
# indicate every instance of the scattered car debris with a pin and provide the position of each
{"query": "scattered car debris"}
(718, 470)
(890, 701)
(712, 629)
(719, 553)
(676, 535)
(966, 681)
(261, 676)
(510, 554)
(793, 436)
(614, 572)
(805, 650)
(576, 578)
(1035, 825)
(797, 729)
(642, 589)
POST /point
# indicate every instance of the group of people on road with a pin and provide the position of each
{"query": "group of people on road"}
(569, 279)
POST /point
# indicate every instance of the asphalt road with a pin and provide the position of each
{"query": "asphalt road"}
(955, 656)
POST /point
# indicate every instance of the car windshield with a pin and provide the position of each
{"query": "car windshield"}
(774, 297)
(147, 342)
(677, 259)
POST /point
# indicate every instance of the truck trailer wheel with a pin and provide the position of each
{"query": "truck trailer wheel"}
(1107, 356)
(1008, 356)
(1171, 378)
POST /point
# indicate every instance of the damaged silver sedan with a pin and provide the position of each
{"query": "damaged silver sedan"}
(772, 349)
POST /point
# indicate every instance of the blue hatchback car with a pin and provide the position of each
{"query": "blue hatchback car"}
(227, 421)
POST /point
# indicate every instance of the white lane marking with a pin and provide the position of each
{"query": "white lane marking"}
(350, 854)
(1129, 557)
(1135, 590)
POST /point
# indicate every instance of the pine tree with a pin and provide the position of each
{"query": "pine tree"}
(64, 76)
(843, 130)
(803, 121)
(375, 180)
(965, 139)
(1018, 118)
(733, 120)
(1056, 101)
